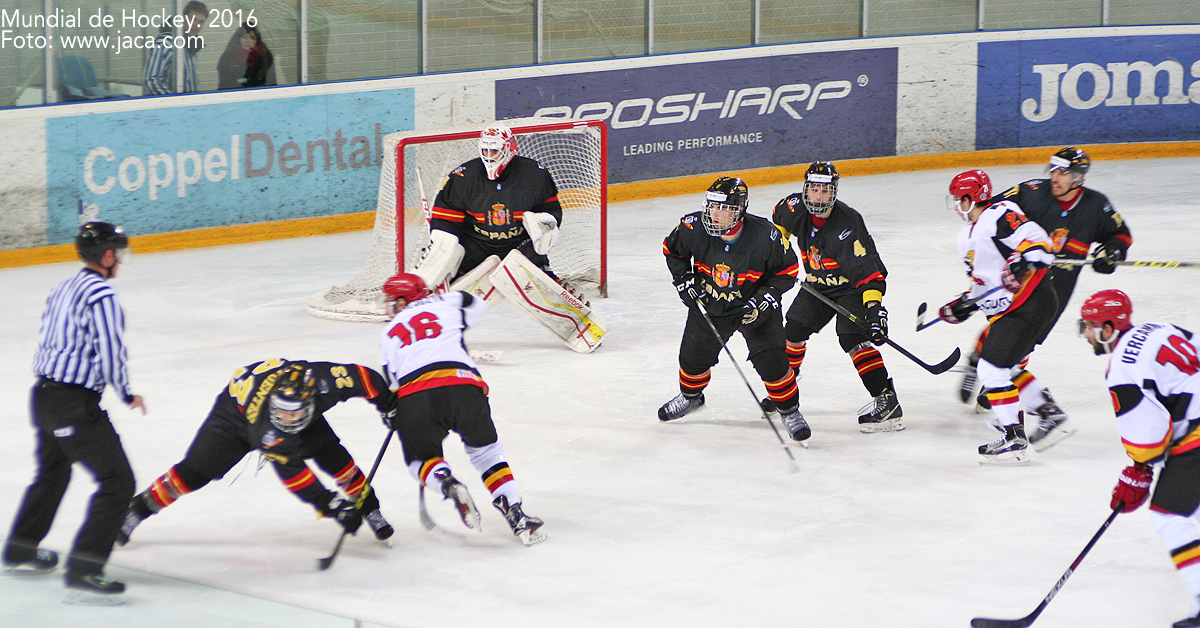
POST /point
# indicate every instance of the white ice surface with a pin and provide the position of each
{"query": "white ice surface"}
(694, 523)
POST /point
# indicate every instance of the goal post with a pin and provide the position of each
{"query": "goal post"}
(573, 151)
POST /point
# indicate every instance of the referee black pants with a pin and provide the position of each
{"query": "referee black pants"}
(72, 428)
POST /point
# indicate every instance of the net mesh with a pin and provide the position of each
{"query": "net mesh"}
(572, 150)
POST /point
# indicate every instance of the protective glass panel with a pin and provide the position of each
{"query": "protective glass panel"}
(474, 34)
(577, 30)
(687, 25)
(790, 21)
(913, 17)
(355, 40)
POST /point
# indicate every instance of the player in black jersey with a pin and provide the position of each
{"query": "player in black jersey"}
(738, 266)
(841, 262)
(1075, 218)
(278, 407)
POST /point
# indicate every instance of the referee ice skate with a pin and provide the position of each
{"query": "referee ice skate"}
(80, 351)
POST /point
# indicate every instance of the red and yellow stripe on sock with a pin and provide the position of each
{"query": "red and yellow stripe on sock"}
(795, 354)
(166, 489)
(693, 385)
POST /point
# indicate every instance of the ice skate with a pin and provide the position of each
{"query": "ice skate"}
(382, 529)
(132, 519)
(1009, 450)
(768, 406)
(454, 490)
(680, 406)
(796, 426)
(93, 589)
(41, 562)
(1049, 430)
(882, 414)
(524, 527)
(1190, 622)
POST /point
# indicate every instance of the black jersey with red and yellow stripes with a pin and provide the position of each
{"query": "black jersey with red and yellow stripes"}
(251, 385)
(759, 261)
(1091, 219)
(471, 206)
(839, 257)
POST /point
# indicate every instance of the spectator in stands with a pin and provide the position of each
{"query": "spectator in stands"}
(159, 73)
(247, 61)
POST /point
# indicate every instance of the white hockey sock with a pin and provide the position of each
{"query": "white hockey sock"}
(1182, 538)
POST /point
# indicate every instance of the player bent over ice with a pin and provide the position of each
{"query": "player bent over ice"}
(738, 266)
(490, 230)
(277, 407)
(439, 391)
(1007, 257)
(1153, 379)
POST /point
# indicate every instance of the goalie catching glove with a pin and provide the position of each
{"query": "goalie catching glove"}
(758, 308)
(958, 310)
(542, 229)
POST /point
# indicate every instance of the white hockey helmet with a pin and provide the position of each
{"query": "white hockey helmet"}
(497, 147)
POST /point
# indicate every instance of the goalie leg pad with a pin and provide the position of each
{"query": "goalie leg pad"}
(441, 259)
(550, 304)
(478, 283)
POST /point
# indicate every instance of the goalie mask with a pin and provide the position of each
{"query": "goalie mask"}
(972, 184)
(820, 187)
(293, 400)
(497, 147)
(725, 205)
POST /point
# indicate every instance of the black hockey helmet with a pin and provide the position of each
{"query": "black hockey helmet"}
(293, 399)
(1072, 160)
(821, 175)
(730, 197)
(94, 238)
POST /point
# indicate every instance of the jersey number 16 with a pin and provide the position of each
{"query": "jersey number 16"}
(424, 325)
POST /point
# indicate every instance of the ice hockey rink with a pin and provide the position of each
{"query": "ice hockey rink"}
(692, 523)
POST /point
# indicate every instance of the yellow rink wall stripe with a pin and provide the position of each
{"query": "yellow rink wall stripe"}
(301, 227)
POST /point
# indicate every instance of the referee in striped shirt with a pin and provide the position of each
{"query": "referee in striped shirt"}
(80, 351)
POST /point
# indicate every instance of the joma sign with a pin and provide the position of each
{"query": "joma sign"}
(1112, 85)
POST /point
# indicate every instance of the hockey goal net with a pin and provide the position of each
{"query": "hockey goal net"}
(575, 153)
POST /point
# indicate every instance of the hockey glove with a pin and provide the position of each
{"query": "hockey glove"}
(1014, 273)
(957, 310)
(688, 291)
(389, 418)
(1133, 487)
(758, 309)
(542, 229)
(346, 513)
(877, 319)
(1107, 256)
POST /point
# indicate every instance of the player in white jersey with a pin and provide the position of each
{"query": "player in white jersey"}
(1154, 382)
(1006, 256)
(439, 391)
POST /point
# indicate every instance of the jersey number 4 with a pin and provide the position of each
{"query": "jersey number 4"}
(1183, 357)
(423, 325)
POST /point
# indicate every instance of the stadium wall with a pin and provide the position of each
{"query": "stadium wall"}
(218, 168)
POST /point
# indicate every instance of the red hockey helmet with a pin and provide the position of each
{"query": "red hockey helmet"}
(1108, 306)
(973, 184)
(405, 286)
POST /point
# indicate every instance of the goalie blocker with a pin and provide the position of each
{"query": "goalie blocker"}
(564, 314)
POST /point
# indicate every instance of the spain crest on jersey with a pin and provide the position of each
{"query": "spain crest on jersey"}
(499, 215)
(1058, 239)
(722, 275)
(814, 258)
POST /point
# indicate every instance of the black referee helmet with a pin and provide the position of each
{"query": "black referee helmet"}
(94, 238)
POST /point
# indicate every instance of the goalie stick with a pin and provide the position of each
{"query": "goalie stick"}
(792, 468)
(441, 534)
(921, 324)
(936, 369)
(1024, 622)
(324, 563)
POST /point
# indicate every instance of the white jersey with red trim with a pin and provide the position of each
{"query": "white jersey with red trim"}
(986, 244)
(1154, 380)
(429, 332)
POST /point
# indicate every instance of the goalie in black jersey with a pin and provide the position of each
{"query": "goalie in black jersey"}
(738, 266)
(841, 262)
(277, 407)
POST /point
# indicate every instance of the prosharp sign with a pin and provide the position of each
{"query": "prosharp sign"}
(685, 119)
(1093, 90)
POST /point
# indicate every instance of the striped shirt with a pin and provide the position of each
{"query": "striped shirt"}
(159, 73)
(80, 340)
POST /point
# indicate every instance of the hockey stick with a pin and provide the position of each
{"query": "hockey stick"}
(424, 199)
(1087, 262)
(983, 622)
(936, 369)
(324, 563)
(792, 468)
(440, 533)
(921, 324)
